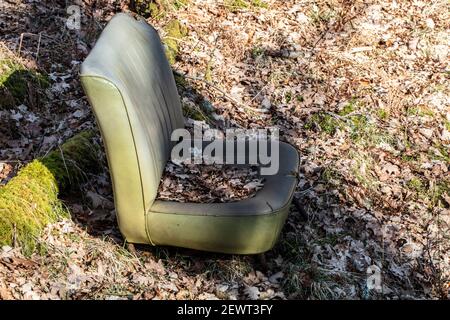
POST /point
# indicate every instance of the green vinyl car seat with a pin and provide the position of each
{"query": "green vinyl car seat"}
(130, 85)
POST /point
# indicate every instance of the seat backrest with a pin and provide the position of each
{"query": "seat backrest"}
(130, 85)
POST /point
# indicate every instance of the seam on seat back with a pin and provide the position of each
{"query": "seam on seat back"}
(99, 90)
(129, 56)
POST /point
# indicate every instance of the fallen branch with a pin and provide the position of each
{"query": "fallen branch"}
(39, 35)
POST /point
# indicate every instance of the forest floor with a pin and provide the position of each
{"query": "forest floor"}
(360, 88)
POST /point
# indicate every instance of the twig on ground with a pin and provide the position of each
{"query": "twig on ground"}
(226, 95)
(39, 35)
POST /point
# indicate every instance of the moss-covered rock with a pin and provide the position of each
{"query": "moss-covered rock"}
(75, 158)
(19, 85)
(146, 8)
(27, 204)
(175, 31)
(29, 201)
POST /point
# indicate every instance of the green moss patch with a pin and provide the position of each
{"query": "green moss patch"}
(27, 204)
(323, 122)
(236, 5)
(29, 201)
(447, 125)
(383, 114)
(19, 85)
(175, 31)
(331, 177)
(71, 162)
(439, 152)
(157, 8)
(259, 4)
(180, 81)
(349, 107)
(359, 128)
(145, 8)
(430, 193)
(421, 111)
(416, 184)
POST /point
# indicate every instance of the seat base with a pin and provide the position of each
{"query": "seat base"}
(248, 226)
(225, 234)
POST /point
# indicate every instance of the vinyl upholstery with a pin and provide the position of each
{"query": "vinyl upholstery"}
(131, 88)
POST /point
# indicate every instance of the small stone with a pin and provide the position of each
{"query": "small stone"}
(78, 114)
(302, 18)
(6, 249)
(252, 292)
(16, 115)
(426, 132)
(430, 23)
(440, 52)
(222, 287)
(27, 287)
(445, 136)
(22, 108)
(266, 103)
(275, 278)
(412, 44)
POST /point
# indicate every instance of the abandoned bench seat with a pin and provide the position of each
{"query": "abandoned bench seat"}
(131, 88)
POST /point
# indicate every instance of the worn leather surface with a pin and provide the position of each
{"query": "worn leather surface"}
(226, 234)
(129, 54)
(243, 227)
(131, 88)
(123, 162)
(275, 194)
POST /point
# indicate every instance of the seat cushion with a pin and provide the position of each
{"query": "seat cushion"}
(248, 226)
(276, 194)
